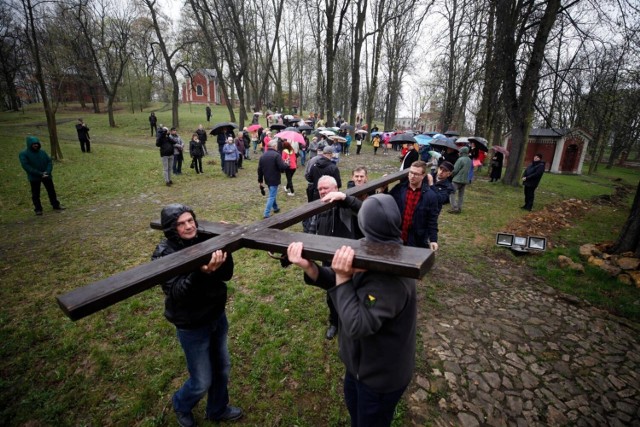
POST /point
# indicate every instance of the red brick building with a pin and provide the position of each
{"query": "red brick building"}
(202, 88)
(563, 150)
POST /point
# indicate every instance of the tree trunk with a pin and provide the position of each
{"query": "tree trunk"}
(56, 152)
(629, 238)
(519, 107)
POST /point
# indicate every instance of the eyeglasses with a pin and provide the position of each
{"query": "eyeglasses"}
(415, 174)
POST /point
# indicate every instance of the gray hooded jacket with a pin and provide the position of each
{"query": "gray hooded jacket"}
(377, 312)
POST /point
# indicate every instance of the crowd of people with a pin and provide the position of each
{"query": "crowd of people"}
(372, 314)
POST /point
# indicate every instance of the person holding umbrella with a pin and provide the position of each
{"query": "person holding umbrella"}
(223, 131)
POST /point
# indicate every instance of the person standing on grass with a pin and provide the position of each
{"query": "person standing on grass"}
(83, 136)
(231, 154)
(460, 174)
(270, 166)
(377, 318)
(178, 148)
(289, 157)
(202, 136)
(196, 151)
(195, 303)
(38, 166)
(166, 154)
(530, 179)
(153, 121)
(208, 113)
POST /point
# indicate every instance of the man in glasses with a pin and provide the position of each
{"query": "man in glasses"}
(419, 207)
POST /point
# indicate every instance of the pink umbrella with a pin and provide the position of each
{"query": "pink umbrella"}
(500, 149)
(290, 135)
(254, 128)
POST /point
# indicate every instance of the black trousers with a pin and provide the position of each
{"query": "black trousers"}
(85, 145)
(529, 193)
(51, 192)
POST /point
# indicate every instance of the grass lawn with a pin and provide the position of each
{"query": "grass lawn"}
(121, 366)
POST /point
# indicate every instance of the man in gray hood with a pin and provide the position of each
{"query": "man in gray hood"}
(377, 317)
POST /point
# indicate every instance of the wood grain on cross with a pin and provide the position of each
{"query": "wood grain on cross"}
(264, 235)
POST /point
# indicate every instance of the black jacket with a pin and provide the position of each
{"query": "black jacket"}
(270, 168)
(533, 173)
(165, 144)
(442, 189)
(83, 132)
(322, 166)
(192, 299)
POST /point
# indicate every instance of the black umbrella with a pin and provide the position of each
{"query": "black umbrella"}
(403, 137)
(347, 127)
(220, 127)
(305, 127)
(442, 142)
(277, 126)
(481, 143)
(452, 133)
(293, 128)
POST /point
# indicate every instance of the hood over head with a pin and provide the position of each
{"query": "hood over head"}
(33, 140)
(380, 220)
(169, 216)
(464, 151)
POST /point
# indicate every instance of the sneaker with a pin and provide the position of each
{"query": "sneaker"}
(39, 213)
(186, 419)
(59, 208)
(232, 413)
(276, 210)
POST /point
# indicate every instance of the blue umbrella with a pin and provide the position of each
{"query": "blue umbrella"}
(423, 139)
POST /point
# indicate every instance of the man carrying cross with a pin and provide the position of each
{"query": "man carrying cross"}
(377, 317)
(195, 303)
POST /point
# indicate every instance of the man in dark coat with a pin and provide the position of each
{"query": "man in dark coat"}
(270, 168)
(442, 186)
(208, 112)
(530, 179)
(377, 318)
(38, 166)
(83, 136)
(195, 303)
(322, 166)
(153, 122)
(419, 207)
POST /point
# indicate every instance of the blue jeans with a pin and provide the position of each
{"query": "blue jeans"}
(303, 156)
(209, 364)
(271, 201)
(367, 407)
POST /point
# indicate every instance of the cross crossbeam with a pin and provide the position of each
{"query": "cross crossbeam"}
(264, 235)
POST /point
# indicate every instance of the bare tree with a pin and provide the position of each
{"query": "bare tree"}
(14, 58)
(171, 55)
(400, 39)
(526, 22)
(107, 30)
(33, 13)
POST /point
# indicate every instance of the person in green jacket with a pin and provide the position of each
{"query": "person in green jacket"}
(38, 166)
(460, 180)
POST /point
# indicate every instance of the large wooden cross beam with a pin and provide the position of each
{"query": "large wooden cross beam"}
(264, 235)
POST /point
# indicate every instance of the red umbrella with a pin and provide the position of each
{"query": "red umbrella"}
(254, 128)
(290, 135)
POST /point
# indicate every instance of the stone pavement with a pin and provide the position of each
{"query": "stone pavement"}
(514, 352)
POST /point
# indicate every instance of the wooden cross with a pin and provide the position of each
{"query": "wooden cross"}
(265, 235)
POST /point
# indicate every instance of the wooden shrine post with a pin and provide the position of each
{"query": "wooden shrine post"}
(264, 235)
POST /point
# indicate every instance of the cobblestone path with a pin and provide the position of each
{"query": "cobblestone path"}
(514, 352)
